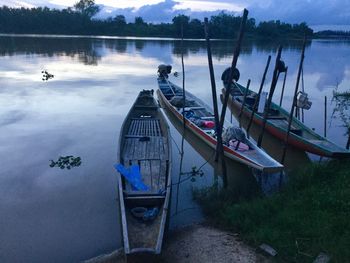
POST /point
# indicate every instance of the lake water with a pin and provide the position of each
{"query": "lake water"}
(48, 214)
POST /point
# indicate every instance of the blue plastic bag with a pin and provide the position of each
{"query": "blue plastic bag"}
(133, 176)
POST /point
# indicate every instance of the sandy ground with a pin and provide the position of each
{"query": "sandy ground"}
(196, 243)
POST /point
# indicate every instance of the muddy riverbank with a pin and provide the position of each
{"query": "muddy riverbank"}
(197, 243)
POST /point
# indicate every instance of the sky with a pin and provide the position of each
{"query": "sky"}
(321, 13)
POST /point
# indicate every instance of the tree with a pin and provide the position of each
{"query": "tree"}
(87, 8)
(119, 24)
(181, 22)
(139, 21)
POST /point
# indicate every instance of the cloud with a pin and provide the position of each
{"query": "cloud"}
(166, 10)
(316, 12)
(196, 6)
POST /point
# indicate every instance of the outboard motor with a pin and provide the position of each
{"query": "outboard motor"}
(164, 70)
(226, 75)
(303, 101)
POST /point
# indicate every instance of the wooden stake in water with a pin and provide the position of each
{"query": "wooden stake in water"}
(220, 147)
(243, 104)
(255, 106)
(325, 117)
(213, 91)
(233, 66)
(284, 84)
(294, 101)
(183, 118)
(276, 73)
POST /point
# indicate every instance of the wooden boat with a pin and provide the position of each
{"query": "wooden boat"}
(144, 144)
(247, 153)
(300, 136)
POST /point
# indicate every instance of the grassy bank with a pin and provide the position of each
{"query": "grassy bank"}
(310, 215)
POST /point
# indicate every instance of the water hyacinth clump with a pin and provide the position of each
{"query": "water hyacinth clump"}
(66, 162)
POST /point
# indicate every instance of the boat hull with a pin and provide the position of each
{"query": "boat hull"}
(144, 142)
(294, 139)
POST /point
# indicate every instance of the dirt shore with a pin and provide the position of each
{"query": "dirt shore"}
(197, 243)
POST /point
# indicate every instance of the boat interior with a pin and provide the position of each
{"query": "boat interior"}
(274, 116)
(145, 145)
(194, 111)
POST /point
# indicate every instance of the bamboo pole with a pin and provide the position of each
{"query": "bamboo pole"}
(213, 90)
(283, 86)
(294, 101)
(303, 90)
(243, 104)
(220, 147)
(233, 66)
(255, 107)
(325, 117)
(183, 118)
(272, 90)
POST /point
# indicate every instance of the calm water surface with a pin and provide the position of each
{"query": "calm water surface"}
(48, 214)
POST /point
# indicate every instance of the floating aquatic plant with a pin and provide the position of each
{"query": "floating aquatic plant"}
(46, 75)
(66, 162)
(342, 109)
(193, 173)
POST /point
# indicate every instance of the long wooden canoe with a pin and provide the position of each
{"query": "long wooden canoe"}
(144, 146)
(250, 155)
(300, 136)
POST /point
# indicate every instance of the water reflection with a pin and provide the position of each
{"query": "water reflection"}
(90, 50)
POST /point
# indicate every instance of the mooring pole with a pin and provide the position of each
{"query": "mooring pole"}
(219, 150)
(284, 84)
(243, 104)
(348, 142)
(236, 52)
(213, 88)
(325, 117)
(183, 117)
(303, 89)
(276, 73)
(294, 101)
(233, 66)
(255, 107)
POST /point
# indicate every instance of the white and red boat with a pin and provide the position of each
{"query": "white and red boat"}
(199, 118)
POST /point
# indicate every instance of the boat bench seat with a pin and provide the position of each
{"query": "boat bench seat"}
(271, 117)
(298, 132)
(207, 118)
(134, 194)
(194, 108)
(147, 107)
(143, 199)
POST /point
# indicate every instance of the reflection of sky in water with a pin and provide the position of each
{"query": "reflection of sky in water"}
(52, 214)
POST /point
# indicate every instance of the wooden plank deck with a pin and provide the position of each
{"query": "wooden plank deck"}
(145, 146)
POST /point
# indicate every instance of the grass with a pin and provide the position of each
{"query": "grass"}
(310, 215)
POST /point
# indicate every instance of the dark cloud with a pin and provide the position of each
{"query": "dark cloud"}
(315, 12)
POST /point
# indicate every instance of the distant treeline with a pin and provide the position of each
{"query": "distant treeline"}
(79, 21)
(332, 34)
